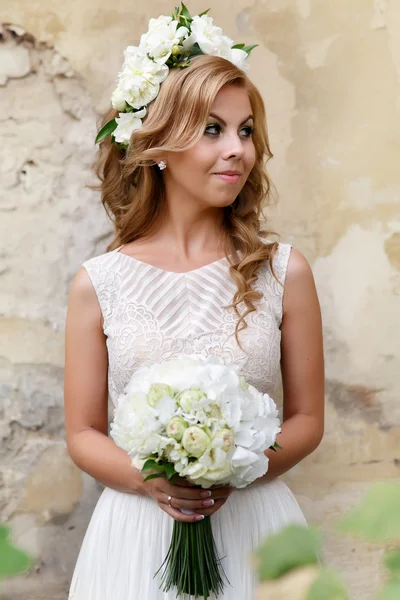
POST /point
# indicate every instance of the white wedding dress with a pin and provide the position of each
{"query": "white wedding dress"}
(152, 315)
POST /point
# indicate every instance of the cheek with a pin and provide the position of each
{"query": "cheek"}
(250, 158)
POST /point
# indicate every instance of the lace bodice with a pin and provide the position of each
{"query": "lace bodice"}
(150, 315)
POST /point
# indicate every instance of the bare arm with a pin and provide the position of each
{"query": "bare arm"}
(85, 393)
(302, 365)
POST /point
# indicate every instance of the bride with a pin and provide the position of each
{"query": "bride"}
(190, 270)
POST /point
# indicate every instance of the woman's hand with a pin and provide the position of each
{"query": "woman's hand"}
(187, 496)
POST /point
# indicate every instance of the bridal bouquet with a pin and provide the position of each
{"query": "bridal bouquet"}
(196, 418)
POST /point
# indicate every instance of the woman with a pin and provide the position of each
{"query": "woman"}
(190, 271)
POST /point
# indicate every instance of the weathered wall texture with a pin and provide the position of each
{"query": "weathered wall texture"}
(330, 76)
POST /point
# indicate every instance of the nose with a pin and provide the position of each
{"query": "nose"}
(233, 146)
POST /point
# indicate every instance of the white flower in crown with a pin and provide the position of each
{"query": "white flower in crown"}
(118, 100)
(238, 58)
(163, 34)
(140, 77)
(127, 124)
(170, 42)
(209, 37)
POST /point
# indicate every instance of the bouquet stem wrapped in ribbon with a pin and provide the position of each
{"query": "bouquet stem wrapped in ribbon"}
(195, 418)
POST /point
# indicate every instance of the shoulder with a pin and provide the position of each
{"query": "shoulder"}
(300, 291)
(298, 266)
(82, 290)
(87, 281)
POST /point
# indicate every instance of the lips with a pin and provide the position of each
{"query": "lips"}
(229, 176)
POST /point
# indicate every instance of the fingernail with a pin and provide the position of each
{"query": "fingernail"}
(205, 494)
(208, 502)
(199, 517)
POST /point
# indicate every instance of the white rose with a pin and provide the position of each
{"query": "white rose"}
(224, 439)
(195, 441)
(140, 77)
(127, 124)
(118, 100)
(176, 428)
(208, 36)
(163, 34)
(158, 391)
(188, 398)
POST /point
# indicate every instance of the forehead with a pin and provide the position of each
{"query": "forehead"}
(232, 100)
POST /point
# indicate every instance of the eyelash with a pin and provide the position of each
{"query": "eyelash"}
(249, 129)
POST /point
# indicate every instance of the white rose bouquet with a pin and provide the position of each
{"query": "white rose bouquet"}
(196, 418)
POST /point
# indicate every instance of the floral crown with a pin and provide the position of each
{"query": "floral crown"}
(169, 43)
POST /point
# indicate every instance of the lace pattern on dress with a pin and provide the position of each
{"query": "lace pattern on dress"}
(151, 315)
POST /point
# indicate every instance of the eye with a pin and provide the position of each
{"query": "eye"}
(247, 131)
(213, 129)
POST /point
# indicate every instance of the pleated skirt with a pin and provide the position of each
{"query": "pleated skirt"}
(129, 535)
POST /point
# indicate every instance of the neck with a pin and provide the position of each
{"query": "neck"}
(190, 228)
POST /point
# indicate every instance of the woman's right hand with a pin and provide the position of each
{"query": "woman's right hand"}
(182, 496)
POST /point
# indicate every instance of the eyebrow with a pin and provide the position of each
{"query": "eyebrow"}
(224, 123)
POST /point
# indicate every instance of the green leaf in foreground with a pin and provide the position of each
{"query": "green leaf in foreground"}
(292, 547)
(377, 518)
(392, 562)
(391, 591)
(106, 130)
(327, 586)
(12, 560)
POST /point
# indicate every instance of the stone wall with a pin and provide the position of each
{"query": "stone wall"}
(330, 75)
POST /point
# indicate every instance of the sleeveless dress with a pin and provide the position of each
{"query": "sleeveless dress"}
(151, 315)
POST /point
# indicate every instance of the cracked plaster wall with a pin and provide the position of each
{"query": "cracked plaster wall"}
(330, 76)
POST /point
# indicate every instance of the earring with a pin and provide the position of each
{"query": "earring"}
(162, 165)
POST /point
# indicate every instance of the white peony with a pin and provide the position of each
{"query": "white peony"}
(163, 34)
(127, 124)
(140, 77)
(209, 37)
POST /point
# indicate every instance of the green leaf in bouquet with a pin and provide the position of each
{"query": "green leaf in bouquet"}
(391, 591)
(377, 517)
(169, 470)
(151, 464)
(153, 476)
(327, 586)
(392, 562)
(13, 560)
(238, 46)
(205, 12)
(106, 130)
(292, 547)
(275, 447)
